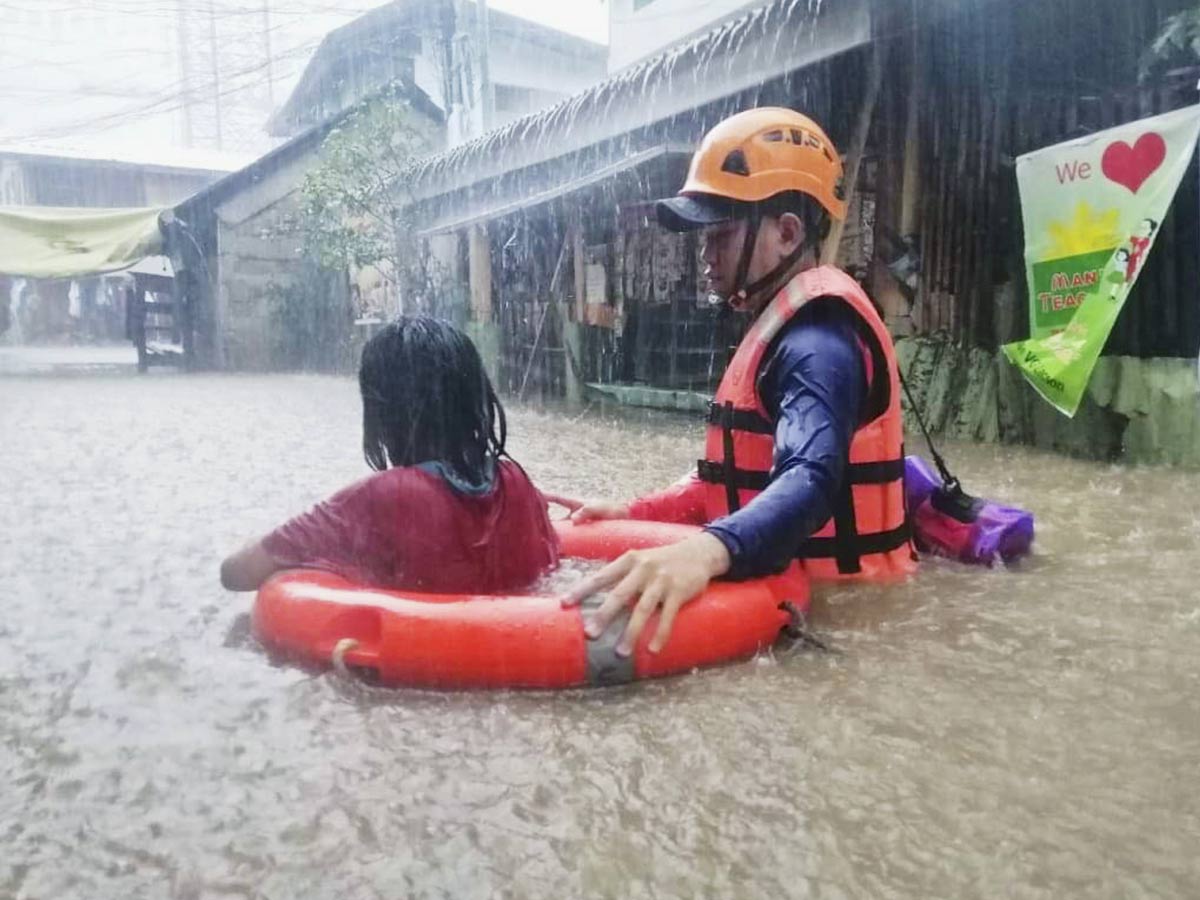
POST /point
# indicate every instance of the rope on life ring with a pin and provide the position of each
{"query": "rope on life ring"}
(338, 656)
(797, 628)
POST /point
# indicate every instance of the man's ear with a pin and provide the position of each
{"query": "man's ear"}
(791, 231)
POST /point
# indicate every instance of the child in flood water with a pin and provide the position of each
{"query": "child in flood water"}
(446, 510)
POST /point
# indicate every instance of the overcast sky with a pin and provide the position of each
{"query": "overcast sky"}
(586, 18)
(90, 72)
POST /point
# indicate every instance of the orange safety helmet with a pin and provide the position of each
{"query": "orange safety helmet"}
(751, 157)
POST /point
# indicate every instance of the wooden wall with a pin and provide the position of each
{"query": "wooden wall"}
(999, 80)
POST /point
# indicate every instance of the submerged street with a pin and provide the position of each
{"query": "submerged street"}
(252, 253)
(1026, 733)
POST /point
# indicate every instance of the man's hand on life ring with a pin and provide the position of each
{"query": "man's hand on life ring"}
(669, 577)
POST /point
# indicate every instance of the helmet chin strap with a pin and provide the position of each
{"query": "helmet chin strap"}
(742, 291)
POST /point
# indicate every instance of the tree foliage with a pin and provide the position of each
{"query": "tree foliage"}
(1176, 46)
(354, 204)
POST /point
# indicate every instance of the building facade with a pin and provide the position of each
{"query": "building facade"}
(480, 71)
(262, 303)
(930, 105)
(92, 309)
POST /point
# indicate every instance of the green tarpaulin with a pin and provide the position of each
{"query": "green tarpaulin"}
(56, 242)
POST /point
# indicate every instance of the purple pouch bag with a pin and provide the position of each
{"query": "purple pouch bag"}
(949, 522)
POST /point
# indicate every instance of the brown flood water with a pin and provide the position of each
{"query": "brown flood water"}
(1028, 733)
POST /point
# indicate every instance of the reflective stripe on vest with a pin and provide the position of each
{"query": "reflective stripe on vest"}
(868, 534)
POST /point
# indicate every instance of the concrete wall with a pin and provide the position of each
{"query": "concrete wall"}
(254, 261)
(279, 311)
(251, 266)
(12, 184)
(1135, 410)
(520, 62)
(427, 72)
(527, 73)
(640, 28)
(515, 64)
(259, 266)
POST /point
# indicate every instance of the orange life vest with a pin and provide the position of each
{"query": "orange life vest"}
(868, 536)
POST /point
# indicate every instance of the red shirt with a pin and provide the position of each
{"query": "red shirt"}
(408, 528)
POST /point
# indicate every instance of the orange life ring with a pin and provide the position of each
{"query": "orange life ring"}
(520, 641)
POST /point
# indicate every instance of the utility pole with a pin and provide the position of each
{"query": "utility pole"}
(216, 68)
(266, 16)
(185, 73)
(487, 100)
(445, 31)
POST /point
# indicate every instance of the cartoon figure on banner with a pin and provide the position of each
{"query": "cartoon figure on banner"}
(1140, 244)
(1131, 257)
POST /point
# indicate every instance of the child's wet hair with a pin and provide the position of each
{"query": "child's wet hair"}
(426, 397)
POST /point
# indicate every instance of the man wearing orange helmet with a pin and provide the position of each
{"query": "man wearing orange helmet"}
(804, 446)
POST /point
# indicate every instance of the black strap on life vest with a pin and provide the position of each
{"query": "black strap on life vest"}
(743, 479)
(740, 419)
(726, 472)
(757, 480)
(728, 462)
(848, 546)
(845, 531)
(863, 545)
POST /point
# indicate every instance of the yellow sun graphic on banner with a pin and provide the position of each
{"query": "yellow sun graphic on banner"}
(1086, 232)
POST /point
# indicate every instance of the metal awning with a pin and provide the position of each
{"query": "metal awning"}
(767, 42)
(60, 242)
(458, 220)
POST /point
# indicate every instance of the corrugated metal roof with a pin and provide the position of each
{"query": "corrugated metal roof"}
(764, 44)
(188, 159)
(578, 183)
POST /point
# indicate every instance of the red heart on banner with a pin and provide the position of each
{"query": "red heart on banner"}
(1131, 166)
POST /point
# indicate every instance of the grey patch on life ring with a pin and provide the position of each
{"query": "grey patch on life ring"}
(605, 667)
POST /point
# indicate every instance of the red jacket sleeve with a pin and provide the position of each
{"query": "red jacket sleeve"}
(682, 502)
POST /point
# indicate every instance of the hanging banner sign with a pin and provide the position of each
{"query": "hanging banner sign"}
(1092, 208)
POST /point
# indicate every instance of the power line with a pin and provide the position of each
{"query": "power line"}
(159, 107)
(181, 91)
(168, 10)
(186, 93)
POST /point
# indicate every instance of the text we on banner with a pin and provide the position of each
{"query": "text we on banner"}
(1092, 209)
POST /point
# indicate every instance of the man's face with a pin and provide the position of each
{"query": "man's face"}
(721, 248)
